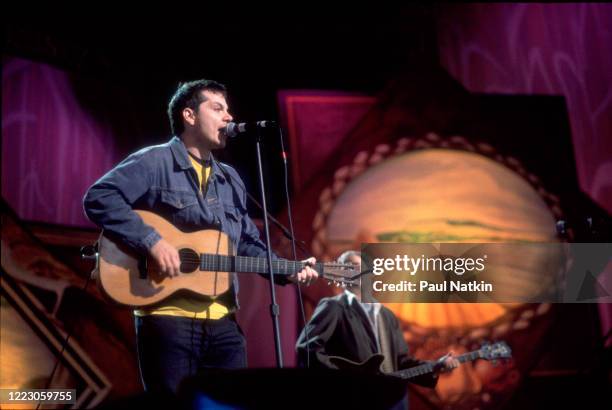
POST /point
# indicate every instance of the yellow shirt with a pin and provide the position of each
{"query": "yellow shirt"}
(182, 303)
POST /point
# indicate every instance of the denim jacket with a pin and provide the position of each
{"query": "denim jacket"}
(161, 179)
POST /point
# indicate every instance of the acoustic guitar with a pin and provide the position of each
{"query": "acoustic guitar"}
(207, 261)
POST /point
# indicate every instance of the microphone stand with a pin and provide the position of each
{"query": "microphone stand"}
(274, 309)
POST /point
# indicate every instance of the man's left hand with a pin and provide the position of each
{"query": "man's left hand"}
(307, 274)
(446, 363)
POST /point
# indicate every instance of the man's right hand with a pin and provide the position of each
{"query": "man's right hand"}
(167, 258)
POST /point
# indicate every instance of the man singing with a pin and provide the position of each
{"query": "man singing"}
(181, 181)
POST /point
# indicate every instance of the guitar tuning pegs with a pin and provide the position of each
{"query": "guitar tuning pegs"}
(329, 282)
(343, 285)
(337, 284)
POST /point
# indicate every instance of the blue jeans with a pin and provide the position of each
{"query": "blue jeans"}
(171, 348)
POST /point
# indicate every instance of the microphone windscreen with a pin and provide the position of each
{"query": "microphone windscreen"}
(231, 130)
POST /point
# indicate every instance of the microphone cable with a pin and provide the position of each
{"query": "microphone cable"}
(290, 218)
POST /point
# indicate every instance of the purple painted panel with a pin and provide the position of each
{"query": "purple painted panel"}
(554, 49)
(52, 149)
(317, 122)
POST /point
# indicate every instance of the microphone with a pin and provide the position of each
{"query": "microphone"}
(232, 129)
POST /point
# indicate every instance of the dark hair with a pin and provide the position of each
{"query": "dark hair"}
(189, 95)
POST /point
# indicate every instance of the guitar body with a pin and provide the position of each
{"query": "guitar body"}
(369, 366)
(125, 277)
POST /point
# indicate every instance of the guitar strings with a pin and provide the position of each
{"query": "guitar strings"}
(278, 261)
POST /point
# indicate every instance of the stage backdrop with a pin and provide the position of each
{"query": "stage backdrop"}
(535, 141)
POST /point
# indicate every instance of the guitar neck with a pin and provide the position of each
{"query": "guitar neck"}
(224, 263)
(429, 367)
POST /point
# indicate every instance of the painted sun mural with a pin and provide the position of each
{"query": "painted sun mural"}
(440, 195)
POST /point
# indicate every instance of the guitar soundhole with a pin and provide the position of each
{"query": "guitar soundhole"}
(190, 260)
